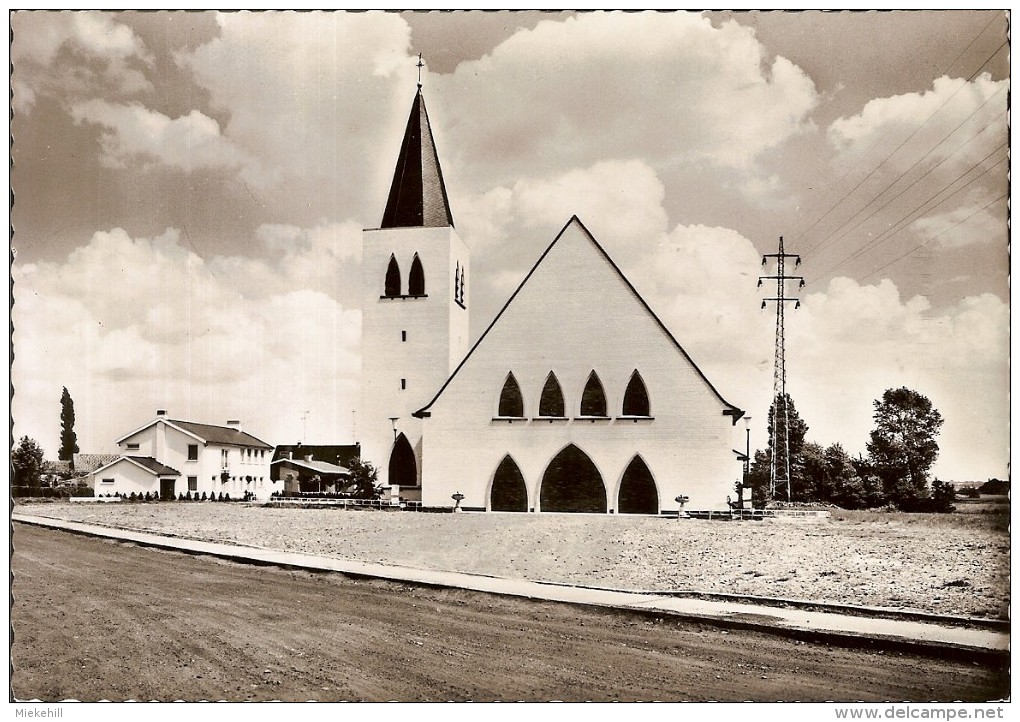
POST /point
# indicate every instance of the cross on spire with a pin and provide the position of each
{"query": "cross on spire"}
(420, 66)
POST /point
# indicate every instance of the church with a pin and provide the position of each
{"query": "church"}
(576, 398)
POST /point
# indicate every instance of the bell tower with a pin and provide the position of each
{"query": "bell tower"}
(415, 276)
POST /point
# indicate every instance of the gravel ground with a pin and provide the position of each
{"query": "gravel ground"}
(945, 564)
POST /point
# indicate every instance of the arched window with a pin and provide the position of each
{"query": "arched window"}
(551, 401)
(511, 403)
(456, 283)
(403, 467)
(416, 278)
(463, 275)
(392, 278)
(572, 483)
(638, 494)
(508, 490)
(635, 399)
(593, 399)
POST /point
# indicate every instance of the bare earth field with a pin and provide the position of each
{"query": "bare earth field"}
(945, 564)
(96, 619)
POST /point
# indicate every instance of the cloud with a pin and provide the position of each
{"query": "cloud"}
(966, 225)
(669, 87)
(132, 324)
(133, 134)
(74, 54)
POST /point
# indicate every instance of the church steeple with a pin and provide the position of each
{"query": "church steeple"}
(417, 195)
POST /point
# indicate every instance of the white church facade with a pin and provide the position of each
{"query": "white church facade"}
(576, 398)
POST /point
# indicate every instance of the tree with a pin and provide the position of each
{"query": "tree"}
(796, 432)
(363, 479)
(68, 439)
(27, 462)
(903, 449)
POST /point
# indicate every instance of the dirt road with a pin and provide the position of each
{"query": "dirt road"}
(105, 620)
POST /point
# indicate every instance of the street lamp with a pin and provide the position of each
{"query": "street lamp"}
(747, 461)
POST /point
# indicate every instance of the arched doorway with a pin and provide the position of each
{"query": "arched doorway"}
(572, 483)
(509, 492)
(403, 467)
(638, 494)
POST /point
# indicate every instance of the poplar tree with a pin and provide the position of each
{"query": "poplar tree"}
(68, 439)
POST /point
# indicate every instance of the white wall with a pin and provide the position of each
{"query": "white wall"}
(128, 478)
(574, 315)
(436, 330)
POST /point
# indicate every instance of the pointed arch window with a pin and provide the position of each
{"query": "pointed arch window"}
(463, 275)
(392, 289)
(456, 283)
(416, 278)
(511, 402)
(593, 399)
(551, 401)
(635, 399)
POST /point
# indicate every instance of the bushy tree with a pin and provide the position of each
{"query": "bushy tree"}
(902, 448)
(27, 462)
(68, 439)
(364, 479)
(796, 432)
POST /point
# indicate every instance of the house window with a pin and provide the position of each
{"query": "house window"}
(593, 399)
(511, 403)
(392, 278)
(133, 447)
(551, 401)
(223, 458)
(107, 481)
(192, 483)
(416, 278)
(635, 399)
(192, 452)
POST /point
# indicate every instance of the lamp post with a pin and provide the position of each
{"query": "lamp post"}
(747, 460)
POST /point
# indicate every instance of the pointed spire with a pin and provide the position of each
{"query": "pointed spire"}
(418, 194)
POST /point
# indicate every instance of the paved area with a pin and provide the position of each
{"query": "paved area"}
(794, 622)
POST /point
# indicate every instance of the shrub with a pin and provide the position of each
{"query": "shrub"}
(203, 496)
(226, 496)
(132, 496)
(180, 496)
(83, 491)
(221, 497)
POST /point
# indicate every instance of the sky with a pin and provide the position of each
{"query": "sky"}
(190, 191)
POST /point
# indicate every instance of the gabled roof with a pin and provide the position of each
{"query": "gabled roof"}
(320, 467)
(417, 195)
(145, 462)
(87, 463)
(206, 433)
(340, 454)
(729, 410)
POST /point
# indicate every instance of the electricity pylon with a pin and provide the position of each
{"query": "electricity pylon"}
(780, 463)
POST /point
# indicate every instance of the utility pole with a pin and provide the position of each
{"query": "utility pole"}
(780, 464)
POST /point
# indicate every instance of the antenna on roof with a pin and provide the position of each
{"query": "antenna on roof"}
(420, 66)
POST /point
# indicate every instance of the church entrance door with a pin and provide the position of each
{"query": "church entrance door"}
(403, 467)
(572, 483)
(638, 494)
(508, 490)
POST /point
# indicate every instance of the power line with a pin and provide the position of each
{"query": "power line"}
(919, 210)
(925, 243)
(900, 177)
(908, 138)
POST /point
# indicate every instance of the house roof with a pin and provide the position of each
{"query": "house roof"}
(417, 195)
(207, 433)
(729, 409)
(87, 463)
(319, 467)
(145, 462)
(340, 454)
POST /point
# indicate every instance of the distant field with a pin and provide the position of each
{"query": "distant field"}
(941, 563)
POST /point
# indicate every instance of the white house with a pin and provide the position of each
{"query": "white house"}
(576, 398)
(170, 456)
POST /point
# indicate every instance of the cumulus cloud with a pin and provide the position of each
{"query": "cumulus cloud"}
(132, 324)
(133, 134)
(669, 87)
(974, 222)
(75, 54)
